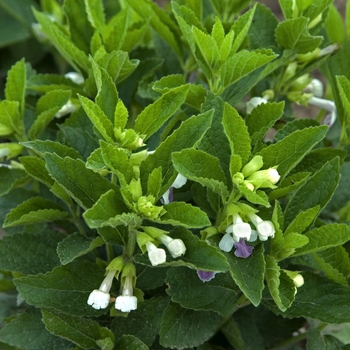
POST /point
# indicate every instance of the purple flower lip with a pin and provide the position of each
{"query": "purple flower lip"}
(243, 250)
(206, 276)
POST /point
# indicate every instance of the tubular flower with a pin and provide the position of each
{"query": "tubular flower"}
(263, 178)
(176, 247)
(127, 301)
(205, 276)
(99, 298)
(328, 105)
(168, 195)
(265, 229)
(243, 250)
(156, 255)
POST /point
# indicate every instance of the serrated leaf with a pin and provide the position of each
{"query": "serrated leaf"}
(131, 343)
(115, 31)
(335, 263)
(258, 197)
(318, 190)
(156, 114)
(280, 285)
(293, 34)
(65, 288)
(236, 132)
(16, 84)
(324, 237)
(316, 8)
(82, 184)
(76, 245)
(219, 295)
(143, 323)
(41, 147)
(187, 135)
(289, 151)
(35, 210)
(98, 118)
(243, 63)
(11, 178)
(249, 273)
(184, 214)
(297, 124)
(110, 210)
(95, 14)
(318, 298)
(30, 253)
(303, 220)
(81, 331)
(95, 161)
(33, 334)
(198, 166)
(154, 182)
(177, 321)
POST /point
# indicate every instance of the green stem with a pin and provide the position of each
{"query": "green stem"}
(110, 253)
(130, 246)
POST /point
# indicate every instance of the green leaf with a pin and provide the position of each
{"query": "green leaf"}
(293, 34)
(110, 210)
(33, 334)
(184, 214)
(243, 63)
(156, 114)
(297, 124)
(143, 323)
(95, 161)
(41, 147)
(82, 184)
(316, 191)
(258, 197)
(115, 31)
(80, 28)
(154, 182)
(98, 118)
(16, 84)
(82, 331)
(65, 288)
(324, 237)
(262, 119)
(30, 253)
(34, 210)
(289, 151)
(177, 322)
(11, 117)
(316, 8)
(95, 14)
(198, 166)
(335, 263)
(76, 245)
(249, 273)
(131, 343)
(343, 85)
(236, 132)
(303, 220)
(280, 285)
(318, 298)
(188, 134)
(11, 178)
(219, 295)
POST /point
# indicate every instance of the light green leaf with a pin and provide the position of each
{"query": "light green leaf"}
(235, 164)
(82, 184)
(316, 191)
(188, 134)
(115, 31)
(236, 132)
(16, 84)
(98, 118)
(198, 166)
(11, 117)
(289, 151)
(258, 197)
(65, 288)
(148, 312)
(335, 263)
(280, 285)
(33, 334)
(316, 8)
(95, 161)
(156, 114)
(177, 321)
(293, 34)
(76, 245)
(81, 331)
(303, 220)
(297, 124)
(154, 182)
(34, 210)
(249, 273)
(95, 14)
(219, 295)
(184, 214)
(110, 210)
(30, 253)
(243, 63)
(343, 85)
(318, 298)
(334, 25)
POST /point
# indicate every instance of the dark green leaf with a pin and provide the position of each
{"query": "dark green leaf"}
(129, 342)
(11, 178)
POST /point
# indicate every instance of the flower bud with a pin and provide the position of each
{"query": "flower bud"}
(252, 166)
(254, 102)
(176, 247)
(264, 178)
(156, 255)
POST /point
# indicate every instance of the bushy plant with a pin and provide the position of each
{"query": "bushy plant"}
(159, 187)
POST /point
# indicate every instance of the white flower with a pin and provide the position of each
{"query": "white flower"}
(69, 107)
(156, 255)
(328, 106)
(176, 247)
(178, 182)
(226, 243)
(99, 298)
(315, 87)
(298, 280)
(254, 102)
(75, 77)
(265, 229)
(127, 301)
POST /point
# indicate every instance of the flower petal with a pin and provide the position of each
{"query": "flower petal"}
(243, 250)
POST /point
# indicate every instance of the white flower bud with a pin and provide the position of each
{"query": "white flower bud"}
(226, 242)
(254, 102)
(156, 255)
(176, 247)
